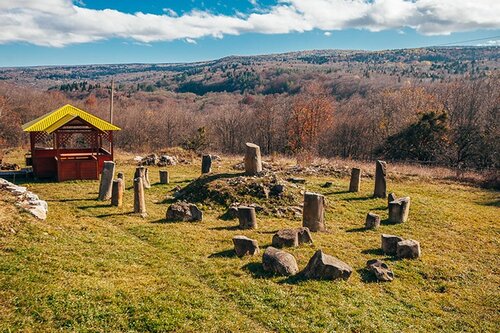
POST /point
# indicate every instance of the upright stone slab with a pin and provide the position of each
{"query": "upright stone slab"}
(247, 218)
(391, 197)
(142, 172)
(117, 193)
(139, 201)
(355, 180)
(399, 210)
(313, 214)
(164, 177)
(206, 164)
(380, 181)
(105, 187)
(408, 249)
(253, 160)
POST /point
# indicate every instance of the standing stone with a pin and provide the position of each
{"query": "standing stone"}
(253, 161)
(120, 175)
(409, 249)
(380, 269)
(117, 193)
(245, 246)
(372, 221)
(326, 267)
(390, 243)
(391, 197)
(247, 218)
(206, 164)
(380, 182)
(105, 187)
(142, 172)
(399, 210)
(139, 201)
(313, 214)
(355, 180)
(279, 262)
(164, 177)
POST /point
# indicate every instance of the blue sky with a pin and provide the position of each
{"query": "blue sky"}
(56, 32)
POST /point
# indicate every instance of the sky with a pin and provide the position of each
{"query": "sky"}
(65, 32)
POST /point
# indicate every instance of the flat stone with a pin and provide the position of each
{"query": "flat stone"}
(380, 269)
(279, 262)
(408, 249)
(245, 246)
(389, 243)
(326, 267)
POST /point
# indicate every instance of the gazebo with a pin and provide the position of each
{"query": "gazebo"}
(69, 143)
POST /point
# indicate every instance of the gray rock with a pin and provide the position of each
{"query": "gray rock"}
(380, 269)
(232, 212)
(286, 238)
(389, 243)
(245, 246)
(399, 210)
(183, 211)
(304, 235)
(326, 267)
(277, 190)
(279, 262)
(297, 180)
(391, 197)
(372, 221)
(408, 249)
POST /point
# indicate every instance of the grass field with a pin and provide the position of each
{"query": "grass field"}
(94, 268)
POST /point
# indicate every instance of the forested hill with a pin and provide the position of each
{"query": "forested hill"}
(275, 73)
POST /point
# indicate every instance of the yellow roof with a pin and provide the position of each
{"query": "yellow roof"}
(57, 118)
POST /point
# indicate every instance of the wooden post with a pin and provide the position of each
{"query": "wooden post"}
(206, 164)
(355, 180)
(107, 176)
(142, 172)
(313, 214)
(247, 218)
(380, 182)
(139, 201)
(121, 176)
(164, 177)
(253, 160)
(117, 193)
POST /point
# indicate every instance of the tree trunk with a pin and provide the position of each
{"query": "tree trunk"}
(107, 176)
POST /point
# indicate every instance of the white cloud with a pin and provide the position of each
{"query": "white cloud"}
(327, 33)
(60, 22)
(490, 43)
(190, 41)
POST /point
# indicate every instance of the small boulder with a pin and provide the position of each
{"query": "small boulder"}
(232, 212)
(183, 211)
(286, 238)
(389, 243)
(399, 210)
(326, 267)
(391, 197)
(372, 221)
(296, 180)
(279, 262)
(304, 235)
(408, 249)
(380, 269)
(245, 246)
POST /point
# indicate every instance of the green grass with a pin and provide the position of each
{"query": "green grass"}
(95, 268)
